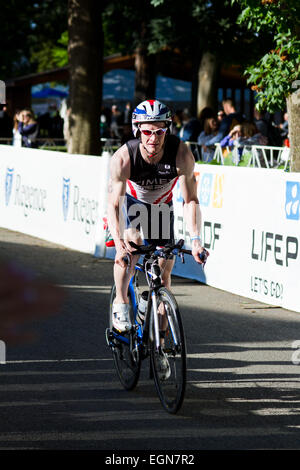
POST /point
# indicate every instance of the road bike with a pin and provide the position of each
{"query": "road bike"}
(160, 336)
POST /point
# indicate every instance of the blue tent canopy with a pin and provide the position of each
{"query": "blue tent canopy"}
(48, 92)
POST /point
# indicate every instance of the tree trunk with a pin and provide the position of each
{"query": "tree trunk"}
(145, 70)
(195, 84)
(145, 76)
(85, 58)
(207, 86)
(293, 109)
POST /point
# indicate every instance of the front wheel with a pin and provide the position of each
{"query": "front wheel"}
(126, 357)
(170, 376)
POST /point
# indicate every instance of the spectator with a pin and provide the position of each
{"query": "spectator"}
(116, 122)
(190, 127)
(28, 128)
(127, 113)
(205, 113)
(17, 138)
(261, 122)
(284, 126)
(232, 138)
(210, 131)
(231, 118)
(56, 123)
(176, 122)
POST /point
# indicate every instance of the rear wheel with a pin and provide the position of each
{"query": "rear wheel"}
(171, 385)
(126, 357)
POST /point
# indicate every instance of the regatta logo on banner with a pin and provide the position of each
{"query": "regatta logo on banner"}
(66, 197)
(218, 192)
(205, 189)
(292, 200)
(8, 184)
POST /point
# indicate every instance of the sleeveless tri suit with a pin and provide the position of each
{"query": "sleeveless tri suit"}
(148, 200)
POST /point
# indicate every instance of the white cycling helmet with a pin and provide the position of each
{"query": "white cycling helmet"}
(150, 111)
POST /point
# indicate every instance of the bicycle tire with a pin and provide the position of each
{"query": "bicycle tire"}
(171, 390)
(126, 364)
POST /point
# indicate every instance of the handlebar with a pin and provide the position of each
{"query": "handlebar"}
(167, 250)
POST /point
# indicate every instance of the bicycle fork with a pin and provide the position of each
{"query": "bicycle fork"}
(170, 321)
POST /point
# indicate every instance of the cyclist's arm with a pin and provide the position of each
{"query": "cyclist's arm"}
(192, 213)
(119, 173)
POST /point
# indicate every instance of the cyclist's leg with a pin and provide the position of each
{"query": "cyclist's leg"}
(166, 267)
(122, 276)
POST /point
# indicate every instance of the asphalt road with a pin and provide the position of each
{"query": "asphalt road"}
(61, 392)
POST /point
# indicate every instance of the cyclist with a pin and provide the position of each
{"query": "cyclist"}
(143, 173)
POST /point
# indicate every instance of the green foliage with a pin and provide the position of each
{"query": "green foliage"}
(60, 52)
(273, 74)
(29, 30)
(194, 26)
(52, 55)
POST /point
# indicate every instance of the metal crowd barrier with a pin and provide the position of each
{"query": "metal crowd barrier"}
(261, 155)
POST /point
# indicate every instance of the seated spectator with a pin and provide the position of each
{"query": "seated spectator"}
(209, 133)
(190, 127)
(250, 135)
(205, 113)
(230, 139)
(243, 135)
(231, 118)
(28, 128)
(261, 122)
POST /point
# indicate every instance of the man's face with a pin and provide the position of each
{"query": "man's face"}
(153, 142)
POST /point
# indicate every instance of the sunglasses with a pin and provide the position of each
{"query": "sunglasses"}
(157, 131)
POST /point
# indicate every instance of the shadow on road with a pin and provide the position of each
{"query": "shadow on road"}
(62, 391)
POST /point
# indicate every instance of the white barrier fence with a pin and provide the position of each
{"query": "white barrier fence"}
(260, 155)
(250, 218)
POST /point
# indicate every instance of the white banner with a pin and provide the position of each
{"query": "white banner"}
(52, 195)
(250, 218)
(250, 225)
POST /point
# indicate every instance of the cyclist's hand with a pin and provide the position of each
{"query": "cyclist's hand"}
(122, 253)
(199, 253)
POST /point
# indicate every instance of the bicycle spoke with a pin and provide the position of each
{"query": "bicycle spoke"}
(170, 384)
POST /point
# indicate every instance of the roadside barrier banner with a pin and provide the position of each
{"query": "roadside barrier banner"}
(250, 218)
(52, 195)
(251, 227)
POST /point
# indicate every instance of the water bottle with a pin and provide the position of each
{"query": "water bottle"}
(142, 308)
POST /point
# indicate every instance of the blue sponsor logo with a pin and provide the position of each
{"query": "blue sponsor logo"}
(8, 184)
(66, 197)
(205, 189)
(292, 200)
